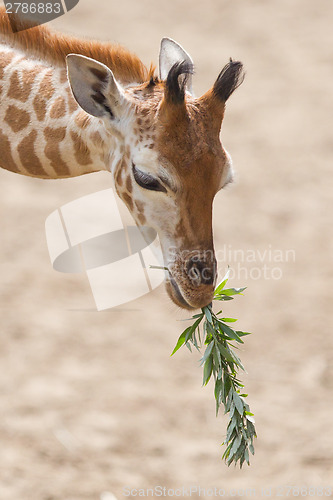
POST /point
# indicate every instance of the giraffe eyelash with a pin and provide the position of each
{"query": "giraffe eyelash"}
(146, 181)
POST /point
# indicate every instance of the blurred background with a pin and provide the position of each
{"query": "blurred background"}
(92, 402)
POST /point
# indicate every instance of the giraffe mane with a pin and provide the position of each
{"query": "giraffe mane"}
(52, 47)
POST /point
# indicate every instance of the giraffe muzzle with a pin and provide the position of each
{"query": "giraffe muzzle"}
(191, 281)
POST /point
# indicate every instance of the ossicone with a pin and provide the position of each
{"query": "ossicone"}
(230, 78)
(176, 82)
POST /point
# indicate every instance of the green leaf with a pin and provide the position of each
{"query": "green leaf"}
(208, 367)
(232, 291)
(235, 445)
(231, 410)
(181, 340)
(242, 334)
(249, 417)
(227, 383)
(245, 436)
(187, 333)
(208, 314)
(207, 353)
(246, 456)
(193, 317)
(210, 329)
(220, 287)
(238, 403)
(231, 427)
(216, 362)
(227, 451)
(218, 389)
(218, 355)
(228, 320)
(225, 352)
(230, 332)
(223, 297)
(251, 429)
(218, 393)
(238, 363)
(196, 323)
(240, 452)
(188, 347)
(229, 402)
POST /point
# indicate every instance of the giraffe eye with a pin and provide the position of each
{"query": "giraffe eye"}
(147, 181)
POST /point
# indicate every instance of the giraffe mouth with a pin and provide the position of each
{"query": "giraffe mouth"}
(198, 297)
(177, 295)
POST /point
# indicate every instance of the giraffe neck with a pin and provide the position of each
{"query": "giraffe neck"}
(43, 132)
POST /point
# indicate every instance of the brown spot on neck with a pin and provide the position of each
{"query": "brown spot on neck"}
(16, 118)
(20, 87)
(141, 219)
(53, 137)
(63, 76)
(82, 120)
(39, 105)
(97, 139)
(140, 206)
(119, 177)
(129, 184)
(81, 151)
(45, 93)
(46, 87)
(28, 157)
(7, 161)
(58, 109)
(127, 200)
(57, 134)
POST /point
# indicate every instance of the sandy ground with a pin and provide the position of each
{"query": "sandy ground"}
(92, 402)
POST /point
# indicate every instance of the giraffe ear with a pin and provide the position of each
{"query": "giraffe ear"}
(170, 54)
(94, 87)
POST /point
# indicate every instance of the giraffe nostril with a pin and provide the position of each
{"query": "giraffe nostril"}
(194, 274)
(201, 272)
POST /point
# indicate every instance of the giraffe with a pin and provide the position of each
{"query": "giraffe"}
(70, 107)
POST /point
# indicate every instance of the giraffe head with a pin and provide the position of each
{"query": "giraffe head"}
(169, 162)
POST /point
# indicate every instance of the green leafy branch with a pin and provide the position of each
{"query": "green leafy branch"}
(220, 361)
